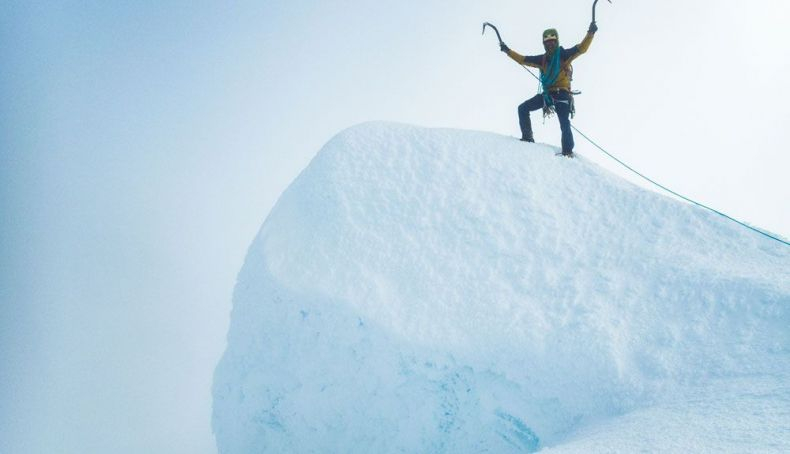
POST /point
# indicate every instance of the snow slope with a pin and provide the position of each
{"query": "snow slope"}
(431, 290)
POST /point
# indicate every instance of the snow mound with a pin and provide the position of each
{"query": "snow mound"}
(433, 290)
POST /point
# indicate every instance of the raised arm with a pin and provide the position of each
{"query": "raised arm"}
(534, 61)
(582, 47)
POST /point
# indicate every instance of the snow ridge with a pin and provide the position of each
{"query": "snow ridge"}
(436, 290)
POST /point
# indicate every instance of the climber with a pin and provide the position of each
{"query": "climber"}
(555, 77)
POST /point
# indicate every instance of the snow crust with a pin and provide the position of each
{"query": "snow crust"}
(435, 290)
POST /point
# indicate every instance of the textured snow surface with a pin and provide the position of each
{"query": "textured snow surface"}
(433, 290)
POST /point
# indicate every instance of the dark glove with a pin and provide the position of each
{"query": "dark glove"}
(593, 28)
(503, 47)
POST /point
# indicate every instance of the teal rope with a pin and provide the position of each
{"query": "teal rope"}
(664, 187)
(548, 78)
(679, 195)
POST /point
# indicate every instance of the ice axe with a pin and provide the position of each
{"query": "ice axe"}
(495, 30)
(489, 24)
(595, 3)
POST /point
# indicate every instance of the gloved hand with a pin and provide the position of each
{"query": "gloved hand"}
(593, 28)
(503, 47)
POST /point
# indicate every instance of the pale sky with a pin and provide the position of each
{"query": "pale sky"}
(143, 143)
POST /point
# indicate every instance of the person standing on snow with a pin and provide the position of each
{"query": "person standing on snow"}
(555, 77)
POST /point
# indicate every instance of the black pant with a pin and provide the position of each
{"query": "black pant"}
(562, 104)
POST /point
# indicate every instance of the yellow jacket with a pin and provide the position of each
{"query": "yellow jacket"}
(567, 56)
